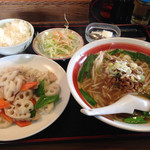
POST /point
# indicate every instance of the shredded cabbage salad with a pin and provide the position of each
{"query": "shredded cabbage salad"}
(59, 43)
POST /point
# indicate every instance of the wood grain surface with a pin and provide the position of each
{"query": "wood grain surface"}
(46, 11)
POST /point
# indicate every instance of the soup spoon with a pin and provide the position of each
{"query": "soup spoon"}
(126, 104)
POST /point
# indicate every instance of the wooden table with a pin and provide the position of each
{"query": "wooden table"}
(46, 11)
(38, 13)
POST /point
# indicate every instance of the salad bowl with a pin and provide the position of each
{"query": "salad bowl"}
(57, 43)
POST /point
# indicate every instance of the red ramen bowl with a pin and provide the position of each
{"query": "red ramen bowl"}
(93, 48)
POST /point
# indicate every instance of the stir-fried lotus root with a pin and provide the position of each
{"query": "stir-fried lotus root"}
(53, 89)
(22, 102)
(11, 82)
(20, 110)
(4, 123)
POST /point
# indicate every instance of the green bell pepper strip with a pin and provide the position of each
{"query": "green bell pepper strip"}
(135, 120)
(40, 90)
(133, 55)
(86, 67)
(88, 98)
(43, 100)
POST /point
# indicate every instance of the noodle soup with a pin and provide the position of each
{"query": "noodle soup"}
(94, 48)
(106, 76)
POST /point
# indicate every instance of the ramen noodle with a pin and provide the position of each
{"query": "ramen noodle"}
(114, 74)
(22, 101)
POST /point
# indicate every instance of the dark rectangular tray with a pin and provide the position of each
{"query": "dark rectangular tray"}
(72, 125)
(134, 31)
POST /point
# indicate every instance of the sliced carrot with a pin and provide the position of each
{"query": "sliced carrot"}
(55, 39)
(3, 115)
(27, 86)
(3, 103)
(60, 34)
(23, 123)
(33, 100)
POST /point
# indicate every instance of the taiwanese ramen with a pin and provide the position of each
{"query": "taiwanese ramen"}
(107, 76)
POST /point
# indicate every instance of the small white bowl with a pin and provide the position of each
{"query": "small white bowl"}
(16, 48)
(94, 47)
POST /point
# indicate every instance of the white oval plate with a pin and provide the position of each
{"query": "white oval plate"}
(34, 61)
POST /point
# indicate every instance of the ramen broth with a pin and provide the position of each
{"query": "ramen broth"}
(113, 74)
